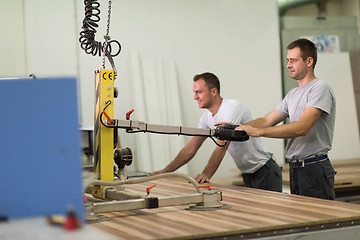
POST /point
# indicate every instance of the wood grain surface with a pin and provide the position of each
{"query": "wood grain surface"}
(252, 211)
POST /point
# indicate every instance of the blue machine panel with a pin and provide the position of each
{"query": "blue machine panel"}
(40, 150)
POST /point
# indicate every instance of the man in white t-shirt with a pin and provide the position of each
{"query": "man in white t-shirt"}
(258, 168)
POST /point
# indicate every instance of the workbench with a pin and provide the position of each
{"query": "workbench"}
(253, 213)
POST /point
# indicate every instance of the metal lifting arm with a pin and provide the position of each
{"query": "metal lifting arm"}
(139, 126)
(222, 132)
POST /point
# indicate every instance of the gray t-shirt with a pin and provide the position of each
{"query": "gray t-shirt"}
(249, 156)
(319, 139)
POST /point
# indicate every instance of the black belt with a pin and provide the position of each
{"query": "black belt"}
(303, 162)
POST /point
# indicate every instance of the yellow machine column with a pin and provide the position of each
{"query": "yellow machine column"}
(103, 136)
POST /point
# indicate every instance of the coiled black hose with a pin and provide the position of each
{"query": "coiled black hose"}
(87, 35)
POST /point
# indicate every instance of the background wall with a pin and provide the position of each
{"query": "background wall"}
(330, 8)
(292, 27)
(235, 39)
(165, 43)
(12, 49)
(193, 37)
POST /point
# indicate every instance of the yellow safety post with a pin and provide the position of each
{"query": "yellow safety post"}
(103, 136)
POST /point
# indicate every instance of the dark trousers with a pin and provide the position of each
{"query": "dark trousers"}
(313, 180)
(268, 177)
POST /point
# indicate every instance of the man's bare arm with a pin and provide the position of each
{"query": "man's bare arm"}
(269, 120)
(213, 163)
(295, 129)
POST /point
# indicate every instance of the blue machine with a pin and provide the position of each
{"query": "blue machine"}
(40, 150)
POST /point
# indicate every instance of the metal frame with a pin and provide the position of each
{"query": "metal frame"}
(103, 187)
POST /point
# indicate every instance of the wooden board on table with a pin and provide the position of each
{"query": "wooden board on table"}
(252, 211)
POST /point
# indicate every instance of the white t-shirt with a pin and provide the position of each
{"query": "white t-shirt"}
(250, 155)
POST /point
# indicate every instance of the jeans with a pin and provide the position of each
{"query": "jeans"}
(268, 177)
(314, 180)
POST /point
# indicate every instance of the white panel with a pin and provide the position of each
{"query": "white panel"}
(12, 47)
(159, 103)
(153, 113)
(142, 147)
(335, 69)
(50, 37)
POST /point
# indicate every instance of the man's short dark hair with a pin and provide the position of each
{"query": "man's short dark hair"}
(307, 49)
(211, 80)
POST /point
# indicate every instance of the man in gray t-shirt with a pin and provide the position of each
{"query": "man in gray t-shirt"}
(311, 108)
(318, 140)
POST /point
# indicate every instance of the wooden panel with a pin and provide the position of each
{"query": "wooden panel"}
(355, 62)
(346, 134)
(252, 211)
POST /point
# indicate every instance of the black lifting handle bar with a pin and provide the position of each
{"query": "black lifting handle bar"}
(225, 132)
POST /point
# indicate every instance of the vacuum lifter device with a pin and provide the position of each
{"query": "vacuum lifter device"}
(106, 154)
(105, 138)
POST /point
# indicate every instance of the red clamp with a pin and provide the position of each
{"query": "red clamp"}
(207, 186)
(72, 222)
(111, 122)
(149, 188)
(129, 113)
